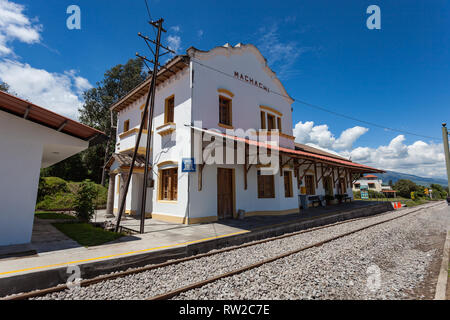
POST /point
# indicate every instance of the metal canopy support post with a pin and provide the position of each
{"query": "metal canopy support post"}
(446, 150)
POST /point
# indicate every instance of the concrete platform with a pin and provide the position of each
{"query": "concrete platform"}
(161, 242)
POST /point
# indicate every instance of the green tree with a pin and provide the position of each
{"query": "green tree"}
(438, 192)
(71, 169)
(404, 187)
(84, 201)
(117, 82)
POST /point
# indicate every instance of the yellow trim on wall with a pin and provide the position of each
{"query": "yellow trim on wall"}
(135, 170)
(181, 220)
(131, 131)
(141, 150)
(228, 92)
(168, 218)
(271, 212)
(167, 201)
(165, 125)
(116, 210)
(175, 163)
(203, 219)
(226, 126)
(166, 131)
(271, 110)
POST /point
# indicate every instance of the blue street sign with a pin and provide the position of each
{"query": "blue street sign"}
(188, 165)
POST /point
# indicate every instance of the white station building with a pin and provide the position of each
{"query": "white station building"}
(206, 100)
(31, 138)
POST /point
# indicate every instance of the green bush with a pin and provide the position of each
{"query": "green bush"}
(438, 192)
(416, 202)
(57, 194)
(50, 186)
(404, 188)
(376, 194)
(84, 204)
(56, 201)
(357, 194)
(102, 196)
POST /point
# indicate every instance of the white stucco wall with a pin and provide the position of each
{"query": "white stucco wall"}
(247, 98)
(25, 148)
(164, 148)
(197, 102)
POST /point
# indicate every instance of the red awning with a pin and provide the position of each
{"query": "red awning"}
(298, 153)
(34, 113)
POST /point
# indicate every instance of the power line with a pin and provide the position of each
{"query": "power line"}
(149, 15)
(323, 108)
(148, 10)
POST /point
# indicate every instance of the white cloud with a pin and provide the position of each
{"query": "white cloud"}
(282, 55)
(175, 28)
(174, 43)
(419, 158)
(58, 92)
(14, 25)
(200, 33)
(321, 136)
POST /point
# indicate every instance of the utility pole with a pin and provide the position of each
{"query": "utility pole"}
(149, 119)
(446, 152)
(158, 25)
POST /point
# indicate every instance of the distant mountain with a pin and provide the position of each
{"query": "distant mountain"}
(394, 176)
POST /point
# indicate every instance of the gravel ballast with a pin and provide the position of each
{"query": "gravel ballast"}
(336, 270)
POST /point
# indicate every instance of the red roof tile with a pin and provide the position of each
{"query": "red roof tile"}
(299, 153)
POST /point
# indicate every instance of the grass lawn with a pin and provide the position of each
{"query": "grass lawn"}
(86, 234)
(412, 203)
(385, 199)
(53, 215)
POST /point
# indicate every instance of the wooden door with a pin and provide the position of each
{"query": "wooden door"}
(225, 194)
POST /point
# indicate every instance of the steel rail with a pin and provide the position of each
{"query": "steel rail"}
(88, 282)
(199, 284)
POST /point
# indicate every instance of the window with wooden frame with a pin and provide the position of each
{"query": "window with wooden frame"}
(266, 185)
(126, 125)
(288, 192)
(279, 124)
(146, 120)
(169, 110)
(271, 122)
(263, 120)
(309, 185)
(168, 184)
(225, 111)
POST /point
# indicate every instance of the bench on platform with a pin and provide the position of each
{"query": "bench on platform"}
(343, 197)
(315, 199)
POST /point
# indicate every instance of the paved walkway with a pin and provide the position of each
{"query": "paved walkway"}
(55, 250)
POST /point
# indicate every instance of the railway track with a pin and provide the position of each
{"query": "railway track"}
(173, 293)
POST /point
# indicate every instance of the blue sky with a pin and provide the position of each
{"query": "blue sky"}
(323, 52)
